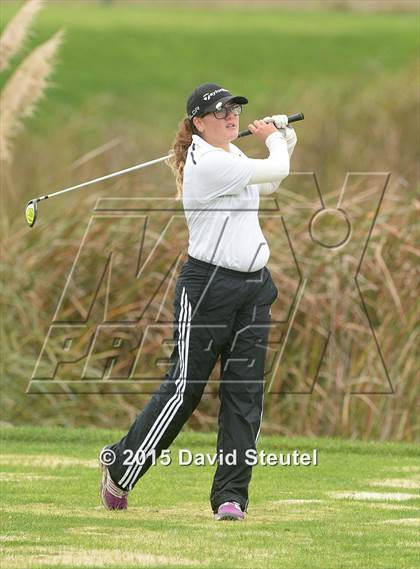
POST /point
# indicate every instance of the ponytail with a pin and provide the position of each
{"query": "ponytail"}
(176, 162)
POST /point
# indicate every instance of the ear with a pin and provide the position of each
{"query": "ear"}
(198, 123)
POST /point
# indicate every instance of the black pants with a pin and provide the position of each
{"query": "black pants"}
(217, 311)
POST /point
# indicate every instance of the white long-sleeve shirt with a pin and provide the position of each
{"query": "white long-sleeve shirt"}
(221, 200)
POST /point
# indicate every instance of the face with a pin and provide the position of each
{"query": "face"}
(219, 131)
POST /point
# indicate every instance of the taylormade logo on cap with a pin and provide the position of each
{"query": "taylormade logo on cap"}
(209, 97)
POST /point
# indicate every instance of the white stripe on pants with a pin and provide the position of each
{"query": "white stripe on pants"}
(172, 406)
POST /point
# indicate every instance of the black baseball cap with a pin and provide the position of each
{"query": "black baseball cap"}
(210, 97)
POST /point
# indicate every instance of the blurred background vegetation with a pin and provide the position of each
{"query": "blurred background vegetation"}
(123, 73)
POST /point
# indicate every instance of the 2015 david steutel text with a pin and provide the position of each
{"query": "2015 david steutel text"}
(252, 457)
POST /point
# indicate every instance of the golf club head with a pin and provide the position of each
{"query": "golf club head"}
(31, 212)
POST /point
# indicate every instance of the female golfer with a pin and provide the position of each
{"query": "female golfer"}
(222, 301)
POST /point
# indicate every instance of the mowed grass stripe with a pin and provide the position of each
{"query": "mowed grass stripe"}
(89, 436)
(338, 514)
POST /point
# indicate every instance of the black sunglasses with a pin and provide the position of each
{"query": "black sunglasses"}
(222, 113)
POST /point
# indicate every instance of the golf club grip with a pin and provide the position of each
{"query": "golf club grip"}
(291, 118)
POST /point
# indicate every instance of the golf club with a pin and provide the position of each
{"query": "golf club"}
(31, 209)
(290, 118)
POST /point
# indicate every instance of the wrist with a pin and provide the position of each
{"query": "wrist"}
(273, 137)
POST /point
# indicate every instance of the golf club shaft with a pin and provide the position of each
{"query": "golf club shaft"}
(291, 118)
(107, 177)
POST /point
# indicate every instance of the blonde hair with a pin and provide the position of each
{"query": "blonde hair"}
(176, 162)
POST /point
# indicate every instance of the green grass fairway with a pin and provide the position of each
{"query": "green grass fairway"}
(357, 508)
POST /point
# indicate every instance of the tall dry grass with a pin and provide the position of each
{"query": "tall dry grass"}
(375, 132)
(26, 87)
(17, 32)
